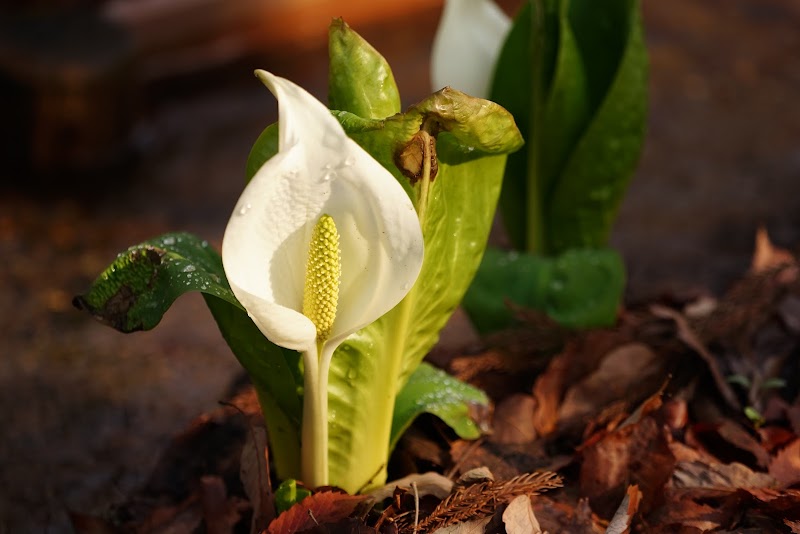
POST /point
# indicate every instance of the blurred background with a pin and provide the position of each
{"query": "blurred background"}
(124, 119)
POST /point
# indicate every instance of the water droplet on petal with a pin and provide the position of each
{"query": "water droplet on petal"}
(244, 209)
(329, 175)
(406, 286)
(349, 161)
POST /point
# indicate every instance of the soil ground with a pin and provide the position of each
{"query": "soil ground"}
(86, 410)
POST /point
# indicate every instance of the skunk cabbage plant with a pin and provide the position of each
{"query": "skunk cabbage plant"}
(574, 75)
(357, 235)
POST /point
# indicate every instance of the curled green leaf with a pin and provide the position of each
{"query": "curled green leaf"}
(359, 80)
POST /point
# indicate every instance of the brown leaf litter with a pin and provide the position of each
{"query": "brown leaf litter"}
(684, 417)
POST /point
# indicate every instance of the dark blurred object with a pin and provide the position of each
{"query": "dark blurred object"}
(65, 77)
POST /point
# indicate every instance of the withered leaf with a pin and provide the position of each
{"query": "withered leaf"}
(733, 475)
(254, 475)
(519, 518)
(785, 466)
(319, 508)
(622, 374)
(623, 517)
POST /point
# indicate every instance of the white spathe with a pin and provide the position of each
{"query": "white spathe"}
(467, 44)
(319, 170)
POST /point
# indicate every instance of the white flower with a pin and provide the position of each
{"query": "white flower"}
(467, 44)
(325, 223)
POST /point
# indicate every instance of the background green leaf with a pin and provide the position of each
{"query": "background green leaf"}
(583, 206)
(573, 74)
(138, 288)
(431, 390)
(580, 288)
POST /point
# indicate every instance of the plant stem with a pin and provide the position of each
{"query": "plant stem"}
(535, 230)
(401, 319)
(314, 439)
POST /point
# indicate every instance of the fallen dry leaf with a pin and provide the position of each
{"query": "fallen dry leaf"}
(519, 518)
(622, 374)
(430, 483)
(254, 474)
(635, 454)
(688, 336)
(623, 517)
(219, 513)
(547, 392)
(317, 509)
(785, 465)
(793, 525)
(476, 526)
(734, 475)
(513, 420)
(728, 433)
(766, 255)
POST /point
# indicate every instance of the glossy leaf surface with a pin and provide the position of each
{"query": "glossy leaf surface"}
(578, 289)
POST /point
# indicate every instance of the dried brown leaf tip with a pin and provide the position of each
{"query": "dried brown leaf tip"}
(477, 501)
(410, 158)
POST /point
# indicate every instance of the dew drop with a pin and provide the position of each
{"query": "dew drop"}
(204, 244)
(329, 175)
(169, 240)
(349, 161)
(352, 374)
(406, 286)
(244, 209)
(189, 268)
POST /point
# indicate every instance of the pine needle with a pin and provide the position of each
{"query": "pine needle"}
(480, 500)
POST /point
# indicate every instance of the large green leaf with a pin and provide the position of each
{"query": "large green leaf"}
(580, 288)
(430, 390)
(372, 366)
(522, 77)
(137, 289)
(572, 72)
(583, 206)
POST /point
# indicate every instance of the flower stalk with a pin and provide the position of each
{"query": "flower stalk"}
(320, 299)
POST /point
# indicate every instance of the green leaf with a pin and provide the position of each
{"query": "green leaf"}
(583, 206)
(264, 148)
(359, 80)
(137, 289)
(522, 77)
(573, 74)
(288, 494)
(431, 390)
(581, 288)
(372, 366)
